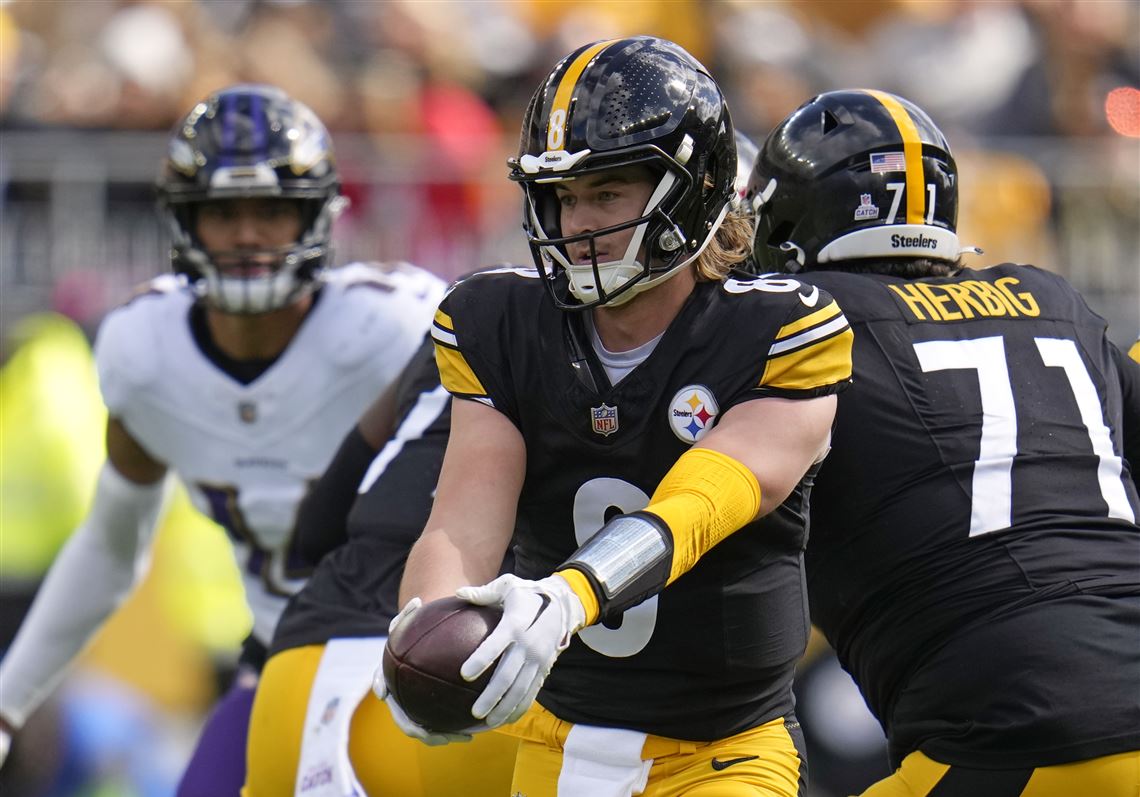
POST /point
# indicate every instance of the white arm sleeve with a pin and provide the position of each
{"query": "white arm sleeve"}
(94, 571)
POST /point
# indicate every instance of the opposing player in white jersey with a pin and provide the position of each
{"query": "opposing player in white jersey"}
(241, 373)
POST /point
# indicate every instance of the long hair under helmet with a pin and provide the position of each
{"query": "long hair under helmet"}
(854, 175)
(250, 141)
(616, 103)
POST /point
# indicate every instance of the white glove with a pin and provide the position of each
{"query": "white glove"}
(5, 746)
(539, 619)
(399, 716)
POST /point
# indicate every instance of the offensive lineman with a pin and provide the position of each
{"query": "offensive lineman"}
(974, 555)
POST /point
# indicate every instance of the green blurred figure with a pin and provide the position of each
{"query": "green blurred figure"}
(51, 446)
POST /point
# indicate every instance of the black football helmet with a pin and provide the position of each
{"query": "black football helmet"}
(610, 104)
(854, 175)
(746, 152)
(250, 141)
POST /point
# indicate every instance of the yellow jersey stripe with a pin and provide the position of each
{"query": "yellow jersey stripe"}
(566, 89)
(1134, 352)
(826, 362)
(912, 152)
(444, 320)
(456, 375)
(808, 336)
(818, 317)
(443, 330)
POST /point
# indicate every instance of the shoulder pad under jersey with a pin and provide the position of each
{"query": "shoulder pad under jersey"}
(805, 333)
(377, 305)
(127, 352)
(529, 274)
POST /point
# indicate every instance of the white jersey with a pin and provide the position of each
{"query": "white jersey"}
(247, 453)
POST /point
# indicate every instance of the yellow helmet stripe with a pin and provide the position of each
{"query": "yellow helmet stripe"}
(912, 152)
(559, 111)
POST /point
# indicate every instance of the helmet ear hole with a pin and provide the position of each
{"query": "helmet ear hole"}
(781, 233)
(828, 121)
(770, 252)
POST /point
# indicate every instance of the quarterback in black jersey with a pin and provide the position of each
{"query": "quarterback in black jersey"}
(325, 642)
(974, 555)
(645, 444)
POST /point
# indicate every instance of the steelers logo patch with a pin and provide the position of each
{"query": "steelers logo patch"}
(692, 412)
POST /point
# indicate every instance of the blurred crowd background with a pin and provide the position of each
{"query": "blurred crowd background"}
(1040, 100)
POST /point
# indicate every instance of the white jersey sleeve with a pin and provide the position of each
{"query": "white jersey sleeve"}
(89, 578)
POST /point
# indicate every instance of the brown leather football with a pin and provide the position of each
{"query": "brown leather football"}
(422, 660)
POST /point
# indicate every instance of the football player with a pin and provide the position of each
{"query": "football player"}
(645, 442)
(240, 372)
(332, 632)
(352, 595)
(974, 555)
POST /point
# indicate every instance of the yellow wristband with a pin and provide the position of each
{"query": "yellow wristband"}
(585, 592)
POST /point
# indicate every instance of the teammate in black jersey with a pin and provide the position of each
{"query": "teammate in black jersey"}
(974, 555)
(321, 648)
(643, 440)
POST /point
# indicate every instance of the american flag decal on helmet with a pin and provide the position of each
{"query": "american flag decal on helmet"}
(887, 162)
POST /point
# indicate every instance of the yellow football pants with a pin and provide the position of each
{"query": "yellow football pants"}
(919, 776)
(387, 763)
(762, 762)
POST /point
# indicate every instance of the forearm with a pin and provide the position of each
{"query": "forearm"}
(473, 515)
(437, 567)
(89, 578)
(745, 468)
(705, 497)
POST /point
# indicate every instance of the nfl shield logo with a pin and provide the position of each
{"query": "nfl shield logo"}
(867, 209)
(604, 419)
(247, 411)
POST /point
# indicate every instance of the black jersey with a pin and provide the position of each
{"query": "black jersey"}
(713, 653)
(974, 556)
(354, 590)
(1129, 368)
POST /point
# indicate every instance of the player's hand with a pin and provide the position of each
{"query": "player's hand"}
(539, 619)
(402, 720)
(405, 723)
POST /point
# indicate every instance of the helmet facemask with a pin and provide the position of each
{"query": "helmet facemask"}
(250, 142)
(615, 104)
(655, 251)
(276, 276)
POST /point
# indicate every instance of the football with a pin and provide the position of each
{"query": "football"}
(422, 660)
